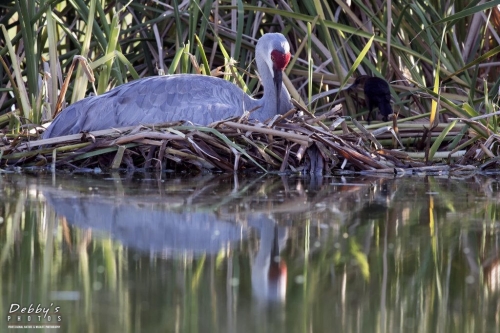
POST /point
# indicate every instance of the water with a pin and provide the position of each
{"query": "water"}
(224, 253)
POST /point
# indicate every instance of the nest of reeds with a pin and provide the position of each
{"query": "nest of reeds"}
(295, 142)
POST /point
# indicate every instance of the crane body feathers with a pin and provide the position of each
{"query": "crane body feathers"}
(200, 99)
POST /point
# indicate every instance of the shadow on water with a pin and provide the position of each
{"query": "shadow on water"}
(226, 253)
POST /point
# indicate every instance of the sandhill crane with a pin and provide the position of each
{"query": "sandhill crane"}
(200, 99)
(377, 94)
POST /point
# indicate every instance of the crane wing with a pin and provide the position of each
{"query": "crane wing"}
(198, 98)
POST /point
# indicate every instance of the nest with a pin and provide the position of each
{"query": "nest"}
(288, 143)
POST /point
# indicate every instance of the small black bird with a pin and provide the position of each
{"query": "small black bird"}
(377, 94)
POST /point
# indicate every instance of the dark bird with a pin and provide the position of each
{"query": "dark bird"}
(200, 99)
(377, 94)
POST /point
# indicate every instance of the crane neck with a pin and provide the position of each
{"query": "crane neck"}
(268, 101)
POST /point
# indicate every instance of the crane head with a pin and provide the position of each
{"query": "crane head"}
(273, 51)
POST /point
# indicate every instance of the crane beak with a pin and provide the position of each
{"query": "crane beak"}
(278, 82)
(280, 61)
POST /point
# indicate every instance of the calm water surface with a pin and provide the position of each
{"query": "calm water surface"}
(224, 253)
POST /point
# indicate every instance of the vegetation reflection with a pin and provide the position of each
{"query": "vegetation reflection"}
(231, 253)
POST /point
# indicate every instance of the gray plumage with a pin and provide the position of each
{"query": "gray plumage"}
(200, 99)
